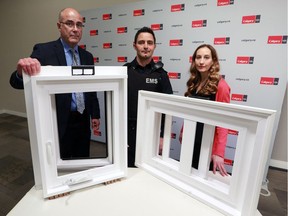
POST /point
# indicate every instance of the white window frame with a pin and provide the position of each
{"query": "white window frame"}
(40, 92)
(233, 195)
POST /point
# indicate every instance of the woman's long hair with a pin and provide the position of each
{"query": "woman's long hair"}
(195, 78)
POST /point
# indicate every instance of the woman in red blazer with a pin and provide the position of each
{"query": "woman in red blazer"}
(205, 82)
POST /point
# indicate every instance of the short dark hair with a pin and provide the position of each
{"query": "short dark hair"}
(144, 29)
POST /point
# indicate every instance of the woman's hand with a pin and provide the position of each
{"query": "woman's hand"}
(218, 164)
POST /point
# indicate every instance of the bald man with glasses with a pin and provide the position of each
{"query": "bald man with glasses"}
(73, 126)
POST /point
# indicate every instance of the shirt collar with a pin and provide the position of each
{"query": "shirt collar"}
(67, 48)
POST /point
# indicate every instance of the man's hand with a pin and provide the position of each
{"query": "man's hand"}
(95, 124)
(30, 66)
(161, 146)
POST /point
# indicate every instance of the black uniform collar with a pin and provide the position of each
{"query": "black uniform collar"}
(136, 65)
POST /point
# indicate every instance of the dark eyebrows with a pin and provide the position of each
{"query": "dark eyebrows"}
(143, 41)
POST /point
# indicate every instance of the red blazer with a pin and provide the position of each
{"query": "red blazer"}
(220, 136)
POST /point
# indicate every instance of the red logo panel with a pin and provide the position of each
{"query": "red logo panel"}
(93, 32)
(251, 19)
(228, 162)
(96, 59)
(122, 59)
(279, 39)
(173, 135)
(269, 81)
(122, 30)
(139, 12)
(177, 7)
(156, 27)
(83, 46)
(233, 132)
(199, 23)
(176, 42)
(224, 2)
(174, 75)
(106, 16)
(245, 60)
(157, 58)
(107, 45)
(239, 97)
(221, 41)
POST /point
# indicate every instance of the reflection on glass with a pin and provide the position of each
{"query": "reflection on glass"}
(230, 150)
(177, 131)
(162, 129)
(93, 145)
(80, 134)
(175, 146)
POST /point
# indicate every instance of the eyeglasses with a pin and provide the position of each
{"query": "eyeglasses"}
(71, 24)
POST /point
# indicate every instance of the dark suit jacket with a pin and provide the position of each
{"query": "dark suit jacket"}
(52, 53)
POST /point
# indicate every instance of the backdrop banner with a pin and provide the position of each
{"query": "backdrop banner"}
(249, 36)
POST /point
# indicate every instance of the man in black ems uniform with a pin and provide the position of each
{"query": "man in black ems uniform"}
(143, 74)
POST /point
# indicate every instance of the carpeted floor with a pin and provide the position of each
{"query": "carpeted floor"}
(16, 172)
